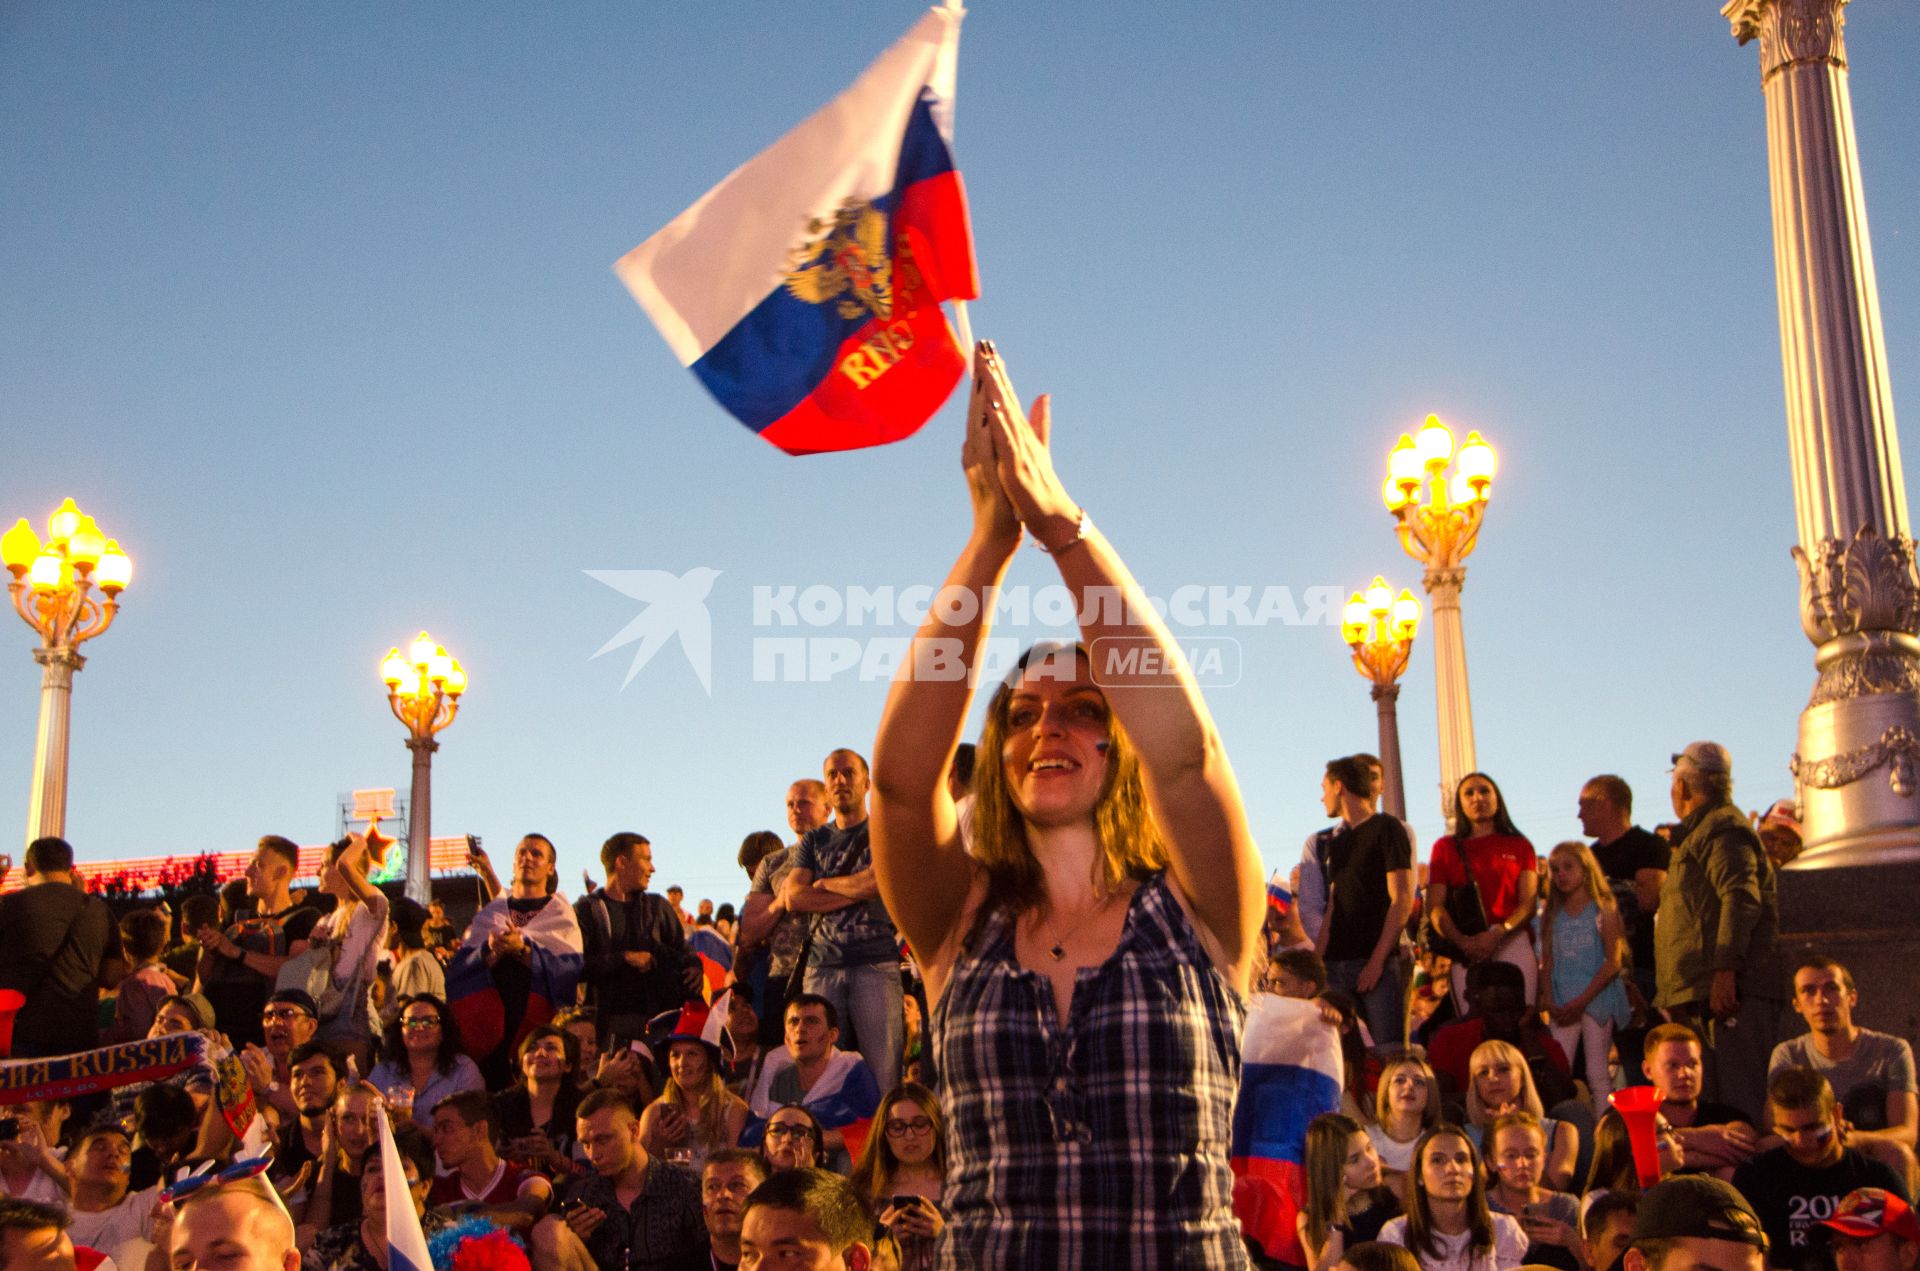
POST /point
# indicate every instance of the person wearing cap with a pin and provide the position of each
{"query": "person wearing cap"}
(1794, 1184)
(1871, 1073)
(695, 1114)
(1695, 1223)
(1714, 934)
(1873, 1230)
(1779, 829)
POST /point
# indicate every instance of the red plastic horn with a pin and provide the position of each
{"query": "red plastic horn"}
(11, 1000)
(1639, 1107)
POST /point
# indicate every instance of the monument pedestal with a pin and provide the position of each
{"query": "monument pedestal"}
(1867, 917)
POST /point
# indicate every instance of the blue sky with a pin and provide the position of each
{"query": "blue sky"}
(312, 307)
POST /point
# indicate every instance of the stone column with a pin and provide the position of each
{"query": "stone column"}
(47, 804)
(1393, 792)
(1851, 892)
(1455, 708)
(420, 821)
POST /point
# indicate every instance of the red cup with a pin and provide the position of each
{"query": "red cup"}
(1639, 1107)
(11, 1000)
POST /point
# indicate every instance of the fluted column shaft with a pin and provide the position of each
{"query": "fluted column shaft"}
(1393, 794)
(1859, 590)
(1455, 707)
(47, 804)
(420, 821)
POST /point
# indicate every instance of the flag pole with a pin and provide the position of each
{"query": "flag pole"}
(960, 318)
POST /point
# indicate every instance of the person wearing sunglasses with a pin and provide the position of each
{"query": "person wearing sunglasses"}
(1111, 869)
(424, 1061)
(287, 1022)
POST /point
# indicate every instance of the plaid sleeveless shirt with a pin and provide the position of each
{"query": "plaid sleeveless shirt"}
(1103, 1143)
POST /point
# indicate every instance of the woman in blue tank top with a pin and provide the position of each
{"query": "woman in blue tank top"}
(1087, 957)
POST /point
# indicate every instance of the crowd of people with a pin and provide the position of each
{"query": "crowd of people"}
(981, 1006)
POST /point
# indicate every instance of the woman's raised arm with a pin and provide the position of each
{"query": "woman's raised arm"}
(919, 861)
(1148, 685)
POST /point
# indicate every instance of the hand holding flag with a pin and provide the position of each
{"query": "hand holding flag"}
(406, 1242)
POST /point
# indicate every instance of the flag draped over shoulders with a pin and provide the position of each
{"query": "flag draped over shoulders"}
(1291, 1073)
(844, 1097)
(554, 960)
(804, 290)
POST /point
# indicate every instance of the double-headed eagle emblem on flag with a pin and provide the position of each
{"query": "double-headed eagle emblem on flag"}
(845, 258)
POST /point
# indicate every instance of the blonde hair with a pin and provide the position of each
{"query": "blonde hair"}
(1477, 1110)
(1597, 888)
(1131, 845)
(711, 1125)
(1430, 1114)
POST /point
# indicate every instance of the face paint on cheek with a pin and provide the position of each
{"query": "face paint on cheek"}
(1103, 746)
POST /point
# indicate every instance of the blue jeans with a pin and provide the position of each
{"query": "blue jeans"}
(867, 999)
(1384, 1008)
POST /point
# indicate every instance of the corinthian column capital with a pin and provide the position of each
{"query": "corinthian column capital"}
(1791, 32)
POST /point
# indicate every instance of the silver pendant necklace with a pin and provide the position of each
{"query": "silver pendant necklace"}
(1058, 950)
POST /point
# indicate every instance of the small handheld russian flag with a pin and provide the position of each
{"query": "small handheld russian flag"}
(406, 1242)
(1279, 899)
(804, 290)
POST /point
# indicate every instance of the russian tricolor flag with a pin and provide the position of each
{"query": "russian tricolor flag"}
(1279, 899)
(804, 290)
(406, 1242)
(1291, 1073)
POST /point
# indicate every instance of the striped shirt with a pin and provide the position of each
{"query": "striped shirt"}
(1103, 1144)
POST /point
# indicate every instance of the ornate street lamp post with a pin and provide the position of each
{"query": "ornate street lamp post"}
(423, 688)
(1438, 520)
(1850, 893)
(1379, 627)
(53, 588)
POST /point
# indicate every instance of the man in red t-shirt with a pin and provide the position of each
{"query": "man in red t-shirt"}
(463, 1137)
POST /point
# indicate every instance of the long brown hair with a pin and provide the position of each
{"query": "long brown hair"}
(1329, 1137)
(1131, 845)
(1420, 1230)
(877, 1164)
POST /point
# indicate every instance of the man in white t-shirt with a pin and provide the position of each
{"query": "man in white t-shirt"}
(106, 1216)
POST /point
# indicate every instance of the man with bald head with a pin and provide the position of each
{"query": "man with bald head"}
(240, 1226)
